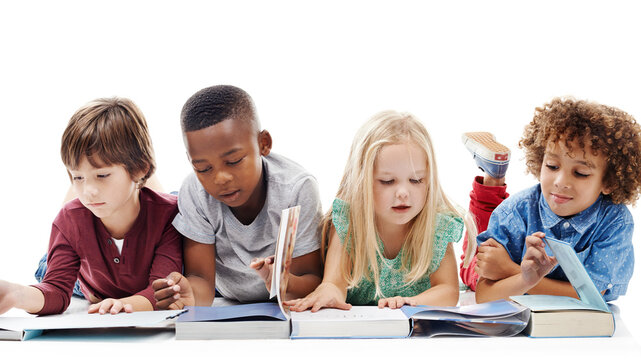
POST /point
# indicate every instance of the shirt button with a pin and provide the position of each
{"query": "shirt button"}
(116, 260)
(566, 225)
(609, 286)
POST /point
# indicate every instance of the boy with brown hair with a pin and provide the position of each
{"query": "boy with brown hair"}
(229, 208)
(116, 238)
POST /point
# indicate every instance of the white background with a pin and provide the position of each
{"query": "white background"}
(316, 70)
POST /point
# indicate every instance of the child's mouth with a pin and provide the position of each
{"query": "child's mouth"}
(401, 208)
(230, 196)
(560, 199)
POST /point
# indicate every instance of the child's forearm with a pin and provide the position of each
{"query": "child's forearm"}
(203, 292)
(301, 286)
(439, 295)
(28, 298)
(490, 290)
(553, 287)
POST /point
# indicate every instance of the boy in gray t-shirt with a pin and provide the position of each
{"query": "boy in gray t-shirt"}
(229, 209)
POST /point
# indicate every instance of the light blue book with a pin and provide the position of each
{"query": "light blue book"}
(560, 316)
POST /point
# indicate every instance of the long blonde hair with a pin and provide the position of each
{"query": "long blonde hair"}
(360, 246)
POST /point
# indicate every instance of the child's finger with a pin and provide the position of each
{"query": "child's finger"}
(105, 305)
(116, 307)
(93, 308)
(166, 292)
(159, 284)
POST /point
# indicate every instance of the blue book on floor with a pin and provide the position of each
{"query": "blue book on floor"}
(560, 316)
(496, 318)
(246, 321)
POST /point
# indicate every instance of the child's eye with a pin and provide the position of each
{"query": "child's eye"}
(76, 178)
(580, 174)
(416, 181)
(232, 163)
(203, 170)
(102, 176)
(552, 167)
(386, 182)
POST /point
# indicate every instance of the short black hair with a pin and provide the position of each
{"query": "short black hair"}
(214, 104)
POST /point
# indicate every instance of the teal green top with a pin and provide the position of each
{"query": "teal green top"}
(448, 229)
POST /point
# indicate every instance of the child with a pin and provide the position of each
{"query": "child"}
(229, 208)
(391, 225)
(117, 237)
(586, 157)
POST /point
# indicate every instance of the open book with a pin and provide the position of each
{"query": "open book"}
(267, 320)
(498, 318)
(560, 316)
(25, 328)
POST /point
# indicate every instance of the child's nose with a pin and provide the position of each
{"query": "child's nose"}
(562, 180)
(222, 177)
(402, 193)
(90, 189)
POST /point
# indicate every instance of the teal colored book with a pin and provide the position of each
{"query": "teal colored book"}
(560, 316)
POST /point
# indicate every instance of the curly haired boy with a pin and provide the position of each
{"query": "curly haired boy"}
(586, 157)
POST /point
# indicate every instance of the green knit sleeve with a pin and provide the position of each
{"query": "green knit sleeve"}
(448, 229)
(340, 218)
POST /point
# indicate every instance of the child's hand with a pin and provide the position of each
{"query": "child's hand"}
(173, 292)
(112, 306)
(326, 295)
(493, 262)
(264, 268)
(396, 302)
(536, 263)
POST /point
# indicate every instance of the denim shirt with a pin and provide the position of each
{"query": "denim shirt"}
(601, 235)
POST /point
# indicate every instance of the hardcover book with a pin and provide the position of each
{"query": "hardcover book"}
(560, 316)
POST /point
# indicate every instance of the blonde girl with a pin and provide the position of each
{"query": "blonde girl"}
(388, 235)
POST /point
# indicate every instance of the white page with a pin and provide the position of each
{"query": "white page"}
(86, 321)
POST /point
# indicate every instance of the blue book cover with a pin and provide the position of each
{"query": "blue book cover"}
(244, 312)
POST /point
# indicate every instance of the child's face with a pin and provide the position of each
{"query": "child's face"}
(400, 185)
(227, 160)
(571, 181)
(108, 191)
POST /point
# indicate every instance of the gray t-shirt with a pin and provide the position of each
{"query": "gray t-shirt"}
(204, 219)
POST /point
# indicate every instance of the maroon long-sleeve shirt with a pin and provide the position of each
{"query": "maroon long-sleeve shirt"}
(81, 248)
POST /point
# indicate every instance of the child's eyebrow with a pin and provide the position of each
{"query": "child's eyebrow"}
(227, 153)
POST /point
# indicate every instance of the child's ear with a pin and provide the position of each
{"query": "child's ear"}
(264, 142)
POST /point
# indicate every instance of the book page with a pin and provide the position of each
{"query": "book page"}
(283, 256)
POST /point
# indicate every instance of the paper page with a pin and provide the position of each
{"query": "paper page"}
(552, 303)
(283, 256)
(86, 321)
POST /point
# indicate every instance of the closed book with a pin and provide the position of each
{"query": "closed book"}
(358, 322)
